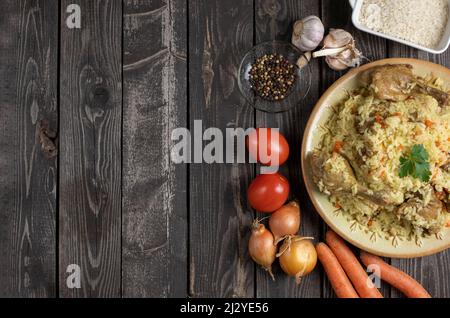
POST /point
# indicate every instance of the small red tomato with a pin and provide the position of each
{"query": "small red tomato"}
(268, 192)
(267, 146)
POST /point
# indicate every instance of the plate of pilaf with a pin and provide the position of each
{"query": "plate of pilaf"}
(376, 157)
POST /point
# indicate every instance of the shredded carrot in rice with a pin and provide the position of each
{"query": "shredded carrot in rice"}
(390, 129)
(338, 146)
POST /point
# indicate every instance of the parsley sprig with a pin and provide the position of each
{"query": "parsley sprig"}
(415, 164)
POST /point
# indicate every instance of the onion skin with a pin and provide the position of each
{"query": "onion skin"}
(261, 247)
(285, 221)
(298, 256)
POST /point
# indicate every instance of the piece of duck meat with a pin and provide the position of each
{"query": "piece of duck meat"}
(337, 176)
(431, 211)
(396, 82)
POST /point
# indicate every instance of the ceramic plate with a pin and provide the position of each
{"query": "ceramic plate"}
(354, 234)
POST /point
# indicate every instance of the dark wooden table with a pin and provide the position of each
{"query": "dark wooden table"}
(86, 117)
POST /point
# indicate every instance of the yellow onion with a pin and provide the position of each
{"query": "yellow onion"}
(297, 256)
(261, 246)
(285, 221)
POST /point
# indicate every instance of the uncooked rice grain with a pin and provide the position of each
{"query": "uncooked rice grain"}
(422, 22)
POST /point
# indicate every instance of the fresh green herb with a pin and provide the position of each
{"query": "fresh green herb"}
(416, 164)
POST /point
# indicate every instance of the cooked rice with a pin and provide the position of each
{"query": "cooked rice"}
(403, 126)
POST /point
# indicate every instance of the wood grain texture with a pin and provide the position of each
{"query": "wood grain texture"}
(28, 115)
(220, 32)
(154, 188)
(337, 14)
(433, 272)
(274, 20)
(149, 227)
(90, 156)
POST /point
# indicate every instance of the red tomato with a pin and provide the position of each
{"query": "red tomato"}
(260, 146)
(268, 192)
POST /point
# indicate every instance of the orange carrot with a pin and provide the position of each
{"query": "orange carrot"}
(428, 123)
(338, 146)
(352, 267)
(398, 279)
(339, 281)
(379, 120)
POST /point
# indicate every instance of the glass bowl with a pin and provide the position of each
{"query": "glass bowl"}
(295, 95)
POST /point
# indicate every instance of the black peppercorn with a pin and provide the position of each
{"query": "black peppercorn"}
(272, 76)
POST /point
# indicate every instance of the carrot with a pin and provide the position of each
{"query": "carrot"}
(379, 120)
(400, 280)
(429, 123)
(352, 267)
(338, 146)
(339, 281)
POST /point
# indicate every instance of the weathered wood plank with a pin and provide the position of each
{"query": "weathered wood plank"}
(220, 32)
(90, 156)
(433, 272)
(154, 188)
(28, 121)
(337, 14)
(274, 20)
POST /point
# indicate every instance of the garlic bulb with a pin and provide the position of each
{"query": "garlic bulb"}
(308, 33)
(339, 50)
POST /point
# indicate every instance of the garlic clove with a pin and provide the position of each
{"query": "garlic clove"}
(337, 38)
(335, 64)
(326, 52)
(304, 60)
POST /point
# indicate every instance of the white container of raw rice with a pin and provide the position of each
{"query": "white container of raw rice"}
(422, 24)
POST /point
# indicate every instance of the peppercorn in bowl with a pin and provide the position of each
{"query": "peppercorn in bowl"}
(269, 78)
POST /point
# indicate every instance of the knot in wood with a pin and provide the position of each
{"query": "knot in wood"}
(48, 139)
(98, 96)
(272, 8)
